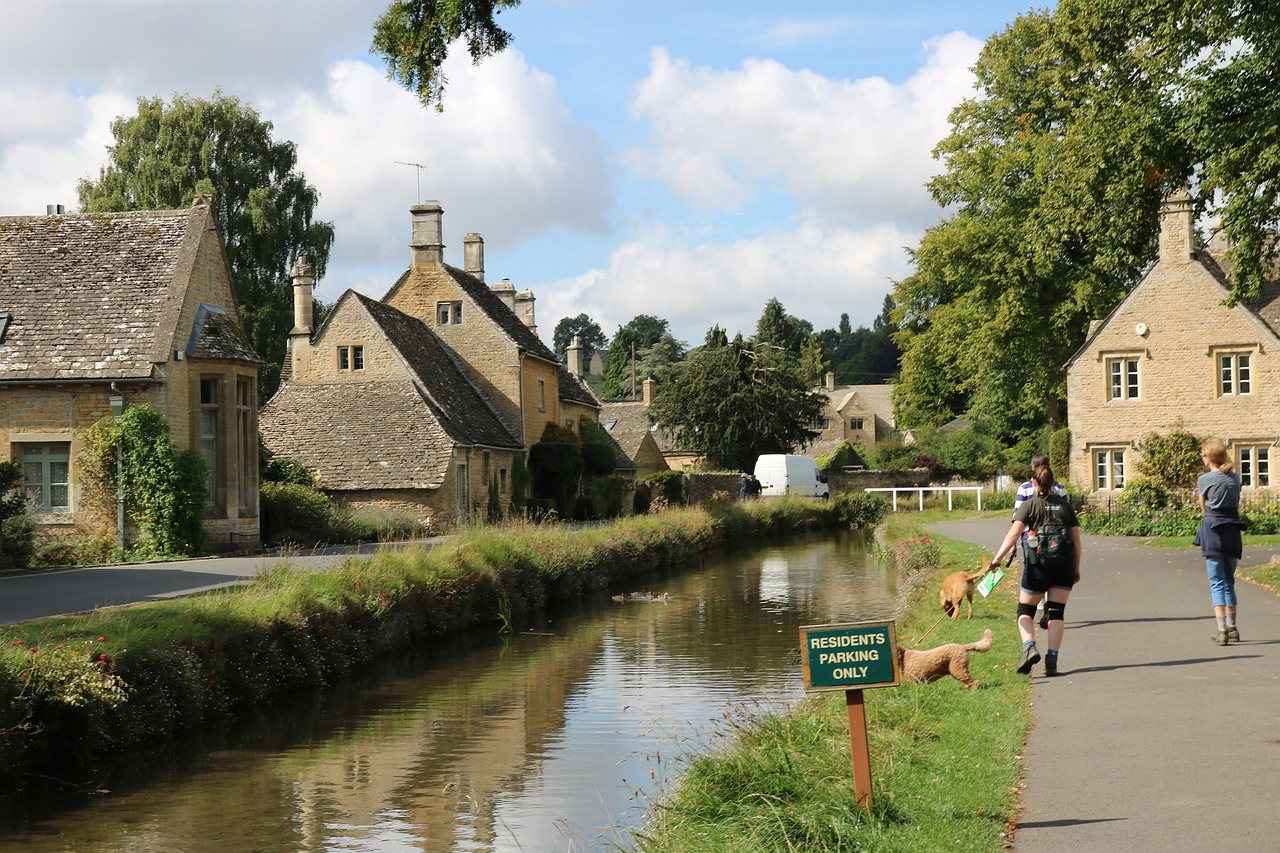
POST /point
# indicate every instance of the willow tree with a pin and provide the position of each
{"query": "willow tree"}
(169, 152)
(1085, 117)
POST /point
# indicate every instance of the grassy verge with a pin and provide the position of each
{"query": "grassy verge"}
(73, 689)
(946, 761)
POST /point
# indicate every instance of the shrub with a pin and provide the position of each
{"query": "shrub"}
(294, 513)
(917, 554)
(861, 509)
(667, 485)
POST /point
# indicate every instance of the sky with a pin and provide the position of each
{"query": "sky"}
(689, 159)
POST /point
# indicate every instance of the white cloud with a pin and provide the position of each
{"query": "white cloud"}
(858, 151)
(816, 270)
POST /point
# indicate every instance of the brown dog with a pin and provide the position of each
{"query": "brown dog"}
(959, 586)
(952, 659)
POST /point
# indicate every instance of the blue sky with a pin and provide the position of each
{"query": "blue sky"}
(690, 160)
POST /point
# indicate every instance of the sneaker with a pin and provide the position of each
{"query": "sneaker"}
(1031, 657)
(1233, 634)
(1220, 638)
(1051, 665)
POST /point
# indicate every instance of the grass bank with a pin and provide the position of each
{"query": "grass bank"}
(73, 689)
(945, 761)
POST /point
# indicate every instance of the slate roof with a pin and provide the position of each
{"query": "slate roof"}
(628, 423)
(571, 388)
(385, 434)
(98, 295)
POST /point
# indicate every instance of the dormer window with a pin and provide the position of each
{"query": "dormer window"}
(450, 313)
(351, 358)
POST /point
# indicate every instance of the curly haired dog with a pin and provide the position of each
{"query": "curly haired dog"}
(952, 659)
(958, 587)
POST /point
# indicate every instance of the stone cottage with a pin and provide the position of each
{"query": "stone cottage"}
(1170, 356)
(103, 311)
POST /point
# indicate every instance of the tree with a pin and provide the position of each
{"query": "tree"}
(414, 36)
(617, 384)
(168, 153)
(655, 361)
(647, 330)
(587, 331)
(732, 403)
(1086, 117)
(779, 328)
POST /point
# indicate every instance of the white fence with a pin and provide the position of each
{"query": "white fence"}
(920, 490)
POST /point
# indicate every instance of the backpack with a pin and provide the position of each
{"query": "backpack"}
(1053, 548)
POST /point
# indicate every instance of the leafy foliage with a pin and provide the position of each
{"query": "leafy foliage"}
(865, 356)
(1086, 116)
(170, 152)
(1172, 460)
(413, 37)
(585, 329)
(17, 529)
(732, 403)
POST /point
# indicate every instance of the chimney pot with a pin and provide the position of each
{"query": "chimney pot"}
(473, 255)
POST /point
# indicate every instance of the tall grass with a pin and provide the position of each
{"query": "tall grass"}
(77, 687)
(945, 761)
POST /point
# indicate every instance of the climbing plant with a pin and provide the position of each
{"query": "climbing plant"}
(164, 487)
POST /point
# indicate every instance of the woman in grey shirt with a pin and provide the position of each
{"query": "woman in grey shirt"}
(1219, 535)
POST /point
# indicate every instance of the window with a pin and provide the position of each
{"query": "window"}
(502, 481)
(351, 358)
(46, 470)
(209, 412)
(484, 468)
(820, 424)
(1233, 374)
(1122, 374)
(450, 313)
(542, 395)
(247, 441)
(1108, 466)
(1255, 466)
(855, 423)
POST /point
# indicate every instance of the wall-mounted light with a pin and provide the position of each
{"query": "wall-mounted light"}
(116, 401)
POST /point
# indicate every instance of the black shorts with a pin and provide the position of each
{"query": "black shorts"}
(1042, 578)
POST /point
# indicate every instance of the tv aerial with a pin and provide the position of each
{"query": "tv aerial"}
(420, 169)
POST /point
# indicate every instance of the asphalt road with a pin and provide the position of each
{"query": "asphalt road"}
(57, 592)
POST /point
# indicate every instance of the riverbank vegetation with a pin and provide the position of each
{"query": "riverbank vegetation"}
(75, 688)
(945, 761)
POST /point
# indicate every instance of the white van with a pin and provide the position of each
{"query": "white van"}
(791, 474)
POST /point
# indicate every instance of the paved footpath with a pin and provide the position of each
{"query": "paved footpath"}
(1153, 738)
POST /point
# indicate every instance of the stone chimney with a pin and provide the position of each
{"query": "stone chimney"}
(506, 291)
(831, 381)
(304, 282)
(573, 356)
(1177, 233)
(473, 255)
(427, 244)
(648, 388)
(523, 307)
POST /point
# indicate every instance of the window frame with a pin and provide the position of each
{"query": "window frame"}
(1123, 378)
(449, 313)
(208, 443)
(350, 358)
(857, 424)
(1104, 467)
(50, 454)
(1253, 462)
(1235, 373)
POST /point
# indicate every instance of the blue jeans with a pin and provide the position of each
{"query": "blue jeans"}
(1222, 579)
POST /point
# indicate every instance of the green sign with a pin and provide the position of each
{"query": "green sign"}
(849, 657)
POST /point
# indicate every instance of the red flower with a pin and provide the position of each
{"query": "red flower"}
(102, 657)
(102, 639)
(33, 648)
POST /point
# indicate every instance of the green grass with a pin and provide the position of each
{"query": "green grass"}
(945, 761)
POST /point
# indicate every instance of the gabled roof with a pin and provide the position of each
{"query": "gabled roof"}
(877, 399)
(502, 317)
(628, 423)
(385, 434)
(98, 295)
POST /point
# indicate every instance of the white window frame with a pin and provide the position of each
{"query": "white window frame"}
(1108, 469)
(350, 358)
(1124, 378)
(1253, 461)
(1235, 374)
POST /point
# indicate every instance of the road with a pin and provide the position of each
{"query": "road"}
(57, 592)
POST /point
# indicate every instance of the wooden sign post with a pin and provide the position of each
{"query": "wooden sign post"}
(850, 658)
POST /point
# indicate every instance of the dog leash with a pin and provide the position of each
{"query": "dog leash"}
(927, 633)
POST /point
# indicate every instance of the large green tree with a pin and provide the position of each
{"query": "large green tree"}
(1085, 118)
(731, 401)
(588, 332)
(169, 152)
(640, 333)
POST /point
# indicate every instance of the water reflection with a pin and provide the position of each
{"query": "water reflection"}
(555, 740)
